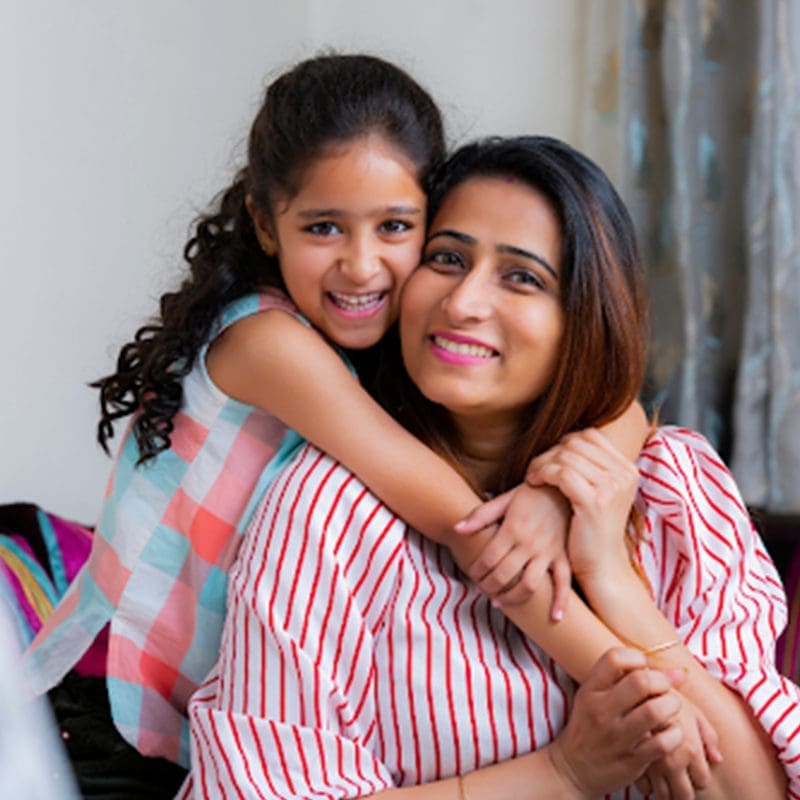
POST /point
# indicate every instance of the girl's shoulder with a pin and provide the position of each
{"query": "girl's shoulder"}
(266, 299)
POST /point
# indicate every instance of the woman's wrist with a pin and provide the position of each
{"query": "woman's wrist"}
(563, 778)
(604, 575)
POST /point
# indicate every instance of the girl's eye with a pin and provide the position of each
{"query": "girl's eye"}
(322, 229)
(395, 226)
(525, 278)
(444, 260)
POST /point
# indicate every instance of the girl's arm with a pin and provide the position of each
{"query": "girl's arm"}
(619, 724)
(274, 362)
(593, 476)
(496, 568)
(286, 711)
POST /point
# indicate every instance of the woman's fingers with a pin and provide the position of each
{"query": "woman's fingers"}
(561, 573)
(709, 737)
(679, 787)
(587, 451)
(496, 552)
(651, 715)
(513, 572)
(485, 514)
(613, 665)
(656, 746)
(622, 721)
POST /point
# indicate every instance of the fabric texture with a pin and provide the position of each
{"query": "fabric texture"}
(104, 765)
(40, 555)
(355, 656)
(32, 761)
(167, 534)
(692, 107)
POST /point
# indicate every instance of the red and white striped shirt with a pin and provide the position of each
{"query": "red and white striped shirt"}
(356, 657)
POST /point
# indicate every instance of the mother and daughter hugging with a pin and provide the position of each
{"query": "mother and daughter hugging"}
(388, 517)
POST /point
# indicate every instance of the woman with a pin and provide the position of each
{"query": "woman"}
(356, 657)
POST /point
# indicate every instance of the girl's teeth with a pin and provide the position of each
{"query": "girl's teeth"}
(355, 302)
(462, 348)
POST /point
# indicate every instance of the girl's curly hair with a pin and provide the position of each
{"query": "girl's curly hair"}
(321, 102)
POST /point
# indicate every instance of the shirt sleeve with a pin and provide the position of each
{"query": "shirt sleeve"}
(713, 579)
(289, 710)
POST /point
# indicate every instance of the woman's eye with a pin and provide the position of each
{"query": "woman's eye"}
(322, 229)
(525, 278)
(395, 226)
(444, 260)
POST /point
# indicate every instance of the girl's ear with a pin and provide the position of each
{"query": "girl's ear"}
(262, 226)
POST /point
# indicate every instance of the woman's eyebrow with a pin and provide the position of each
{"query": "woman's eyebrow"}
(451, 234)
(518, 251)
(510, 249)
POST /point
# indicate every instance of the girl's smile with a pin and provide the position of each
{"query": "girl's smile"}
(349, 238)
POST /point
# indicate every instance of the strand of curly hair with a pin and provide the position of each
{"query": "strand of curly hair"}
(225, 263)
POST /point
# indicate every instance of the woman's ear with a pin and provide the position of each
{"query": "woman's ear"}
(262, 227)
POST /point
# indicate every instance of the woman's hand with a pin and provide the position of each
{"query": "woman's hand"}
(529, 543)
(600, 483)
(679, 775)
(623, 720)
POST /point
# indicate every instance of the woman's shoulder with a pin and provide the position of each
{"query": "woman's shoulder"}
(685, 484)
(676, 459)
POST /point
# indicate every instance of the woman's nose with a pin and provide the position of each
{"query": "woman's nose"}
(469, 299)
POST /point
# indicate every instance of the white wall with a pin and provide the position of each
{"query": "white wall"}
(121, 120)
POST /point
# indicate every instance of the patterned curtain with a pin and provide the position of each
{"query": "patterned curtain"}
(694, 107)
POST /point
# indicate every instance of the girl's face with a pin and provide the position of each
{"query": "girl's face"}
(481, 320)
(349, 238)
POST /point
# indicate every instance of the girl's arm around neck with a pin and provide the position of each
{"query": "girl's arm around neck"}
(628, 431)
(274, 362)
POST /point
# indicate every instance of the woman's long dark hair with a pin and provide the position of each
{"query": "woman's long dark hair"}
(321, 102)
(602, 354)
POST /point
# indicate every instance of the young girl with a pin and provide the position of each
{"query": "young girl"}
(324, 224)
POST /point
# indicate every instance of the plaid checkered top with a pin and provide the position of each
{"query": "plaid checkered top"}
(165, 540)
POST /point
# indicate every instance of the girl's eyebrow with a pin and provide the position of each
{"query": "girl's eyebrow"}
(316, 213)
(510, 249)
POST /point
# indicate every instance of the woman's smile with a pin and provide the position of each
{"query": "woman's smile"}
(453, 348)
(481, 318)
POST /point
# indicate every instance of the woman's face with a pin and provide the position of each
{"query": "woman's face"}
(481, 318)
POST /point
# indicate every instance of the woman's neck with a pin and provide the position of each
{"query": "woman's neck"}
(485, 445)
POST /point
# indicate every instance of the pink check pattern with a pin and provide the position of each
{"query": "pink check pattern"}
(165, 541)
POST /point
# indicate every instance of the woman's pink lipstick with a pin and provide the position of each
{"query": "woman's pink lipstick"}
(460, 350)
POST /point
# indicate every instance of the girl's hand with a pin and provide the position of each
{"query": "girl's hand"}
(529, 542)
(623, 720)
(680, 774)
(600, 483)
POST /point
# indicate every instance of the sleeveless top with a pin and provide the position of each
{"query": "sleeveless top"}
(166, 537)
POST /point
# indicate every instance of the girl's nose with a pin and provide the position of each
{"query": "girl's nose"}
(361, 262)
